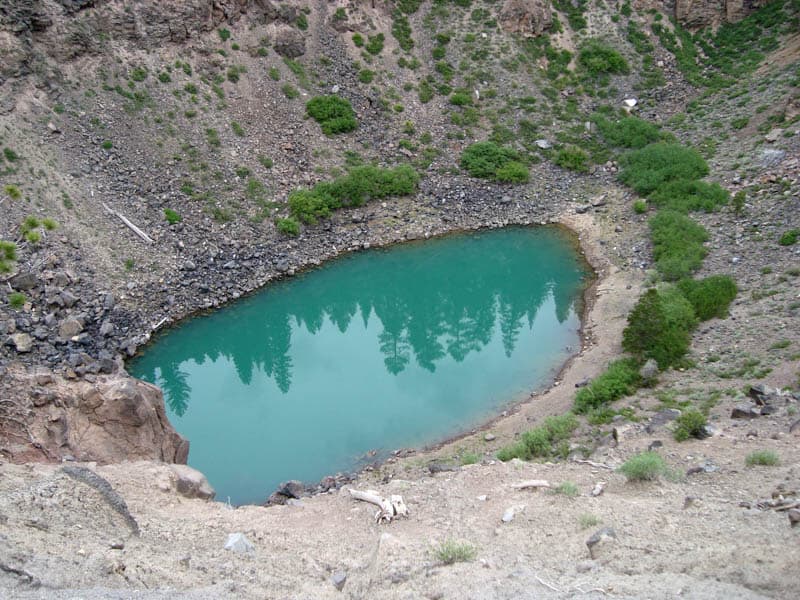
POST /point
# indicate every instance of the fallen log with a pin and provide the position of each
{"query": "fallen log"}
(531, 484)
(130, 225)
(390, 508)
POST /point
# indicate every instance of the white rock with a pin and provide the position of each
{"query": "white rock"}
(238, 543)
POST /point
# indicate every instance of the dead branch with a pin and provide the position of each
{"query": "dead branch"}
(128, 223)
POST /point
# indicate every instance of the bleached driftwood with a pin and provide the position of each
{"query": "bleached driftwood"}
(130, 225)
(390, 508)
(531, 484)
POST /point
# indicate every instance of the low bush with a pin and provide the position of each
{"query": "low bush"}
(488, 160)
(597, 58)
(628, 132)
(16, 300)
(567, 488)
(288, 226)
(763, 458)
(362, 183)
(677, 244)
(573, 158)
(512, 172)
(366, 76)
(450, 552)
(12, 191)
(645, 466)
(690, 423)
(620, 378)
(333, 113)
(646, 169)
(172, 216)
(374, 44)
(789, 238)
(710, 297)
(684, 195)
(658, 327)
(539, 442)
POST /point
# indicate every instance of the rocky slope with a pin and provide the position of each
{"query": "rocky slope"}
(112, 109)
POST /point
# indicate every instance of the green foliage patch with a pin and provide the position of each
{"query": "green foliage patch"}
(627, 132)
(646, 466)
(333, 113)
(541, 441)
(487, 160)
(620, 378)
(710, 297)
(646, 169)
(677, 244)
(684, 195)
(359, 185)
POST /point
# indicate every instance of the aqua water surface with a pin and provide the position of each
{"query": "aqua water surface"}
(379, 350)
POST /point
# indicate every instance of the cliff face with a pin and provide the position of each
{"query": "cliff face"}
(31, 30)
(704, 13)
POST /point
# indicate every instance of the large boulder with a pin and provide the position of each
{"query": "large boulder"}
(289, 42)
(527, 17)
(113, 419)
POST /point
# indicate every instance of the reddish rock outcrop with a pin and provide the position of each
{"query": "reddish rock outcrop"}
(116, 418)
(527, 17)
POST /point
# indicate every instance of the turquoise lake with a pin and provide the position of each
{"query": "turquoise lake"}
(379, 350)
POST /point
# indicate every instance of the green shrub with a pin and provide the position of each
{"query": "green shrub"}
(599, 59)
(539, 441)
(8, 250)
(677, 244)
(290, 91)
(359, 185)
(640, 207)
(710, 297)
(628, 132)
(650, 332)
(302, 22)
(366, 76)
(512, 172)
(646, 169)
(212, 136)
(224, 34)
(358, 40)
(164, 77)
(685, 195)
(567, 488)
(488, 160)
(461, 99)
(333, 113)
(450, 552)
(620, 378)
(139, 74)
(789, 238)
(10, 155)
(274, 73)
(12, 191)
(645, 466)
(237, 129)
(425, 92)
(740, 123)
(190, 88)
(374, 44)
(107, 145)
(587, 520)
(16, 300)
(764, 458)
(690, 423)
(288, 226)
(172, 216)
(265, 161)
(573, 158)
